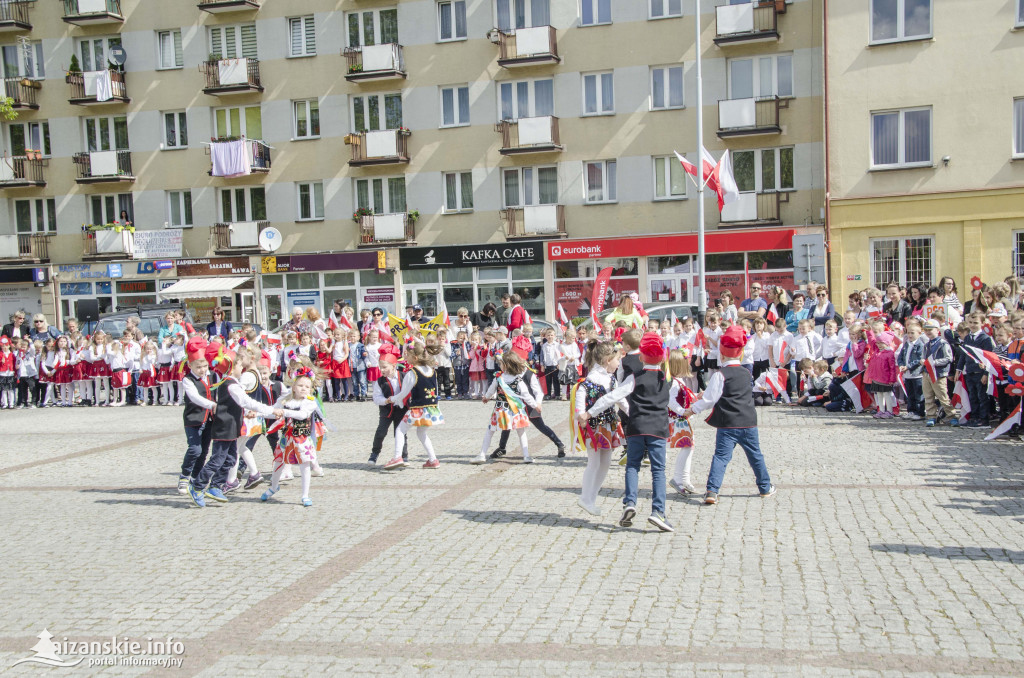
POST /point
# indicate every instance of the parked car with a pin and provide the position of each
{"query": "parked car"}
(659, 312)
(151, 319)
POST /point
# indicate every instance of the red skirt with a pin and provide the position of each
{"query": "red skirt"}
(163, 375)
(372, 374)
(100, 368)
(120, 379)
(62, 375)
(147, 379)
(178, 371)
(340, 369)
(80, 371)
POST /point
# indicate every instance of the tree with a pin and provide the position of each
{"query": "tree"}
(7, 111)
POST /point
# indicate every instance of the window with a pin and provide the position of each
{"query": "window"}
(455, 106)
(179, 208)
(232, 42)
(527, 99)
(514, 14)
(108, 133)
(239, 122)
(311, 201)
(106, 209)
(901, 138)
(169, 47)
(383, 195)
(761, 77)
(669, 179)
(905, 261)
(372, 27)
(1020, 12)
(666, 8)
(893, 20)
(376, 112)
(23, 60)
(34, 135)
(598, 94)
(36, 216)
(594, 12)
(451, 20)
(600, 178)
(763, 171)
(307, 119)
(94, 52)
(243, 204)
(666, 87)
(1018, 125)
(302, 31)
(529, 186)
(175, 129)
(458, 192)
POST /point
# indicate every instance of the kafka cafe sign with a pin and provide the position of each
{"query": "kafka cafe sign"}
(502, 254)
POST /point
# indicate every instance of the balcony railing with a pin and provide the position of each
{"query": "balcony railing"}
(390, 229)
(529, 135)
(527, 47)
(21, 172)
(23, 91)
(534, 221)
(255, 158)
(747, 22)
(745, 117)
(374, 62)
(14, 16)
(383, 147)
(108, 244)
(241, 237)
(755, 208)
(92, 12)
(231, 76)
(225, 6)
(100, 167)
(33, 247)
(90, 88)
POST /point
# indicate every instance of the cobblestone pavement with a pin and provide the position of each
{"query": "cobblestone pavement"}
(889, 550)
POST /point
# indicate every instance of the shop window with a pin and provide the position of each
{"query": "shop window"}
(303, 281)
(375, 279)
(421, 276)
(273, 282)
(732, 261)
(528, 272)
(451, 275)
(770, 260)
(589, 268)
(345, 279)
(905, 261)
(492, 273)
(660, 265)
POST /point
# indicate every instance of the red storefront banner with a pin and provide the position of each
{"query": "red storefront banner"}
(575, 295)
(598, 294)
(735, 283)
(669, 245)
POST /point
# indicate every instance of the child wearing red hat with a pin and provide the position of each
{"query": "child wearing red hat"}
(387, 384)
(199, 406)
(729, 396)
(646, 395)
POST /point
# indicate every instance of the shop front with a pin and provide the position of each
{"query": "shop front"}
(470, 276)
(203, 284)
(18, 292)
(359, 279)
(114, 286)
(664, 269)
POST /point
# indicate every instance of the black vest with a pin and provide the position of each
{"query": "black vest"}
(389, 411)
(648, 405)
(424, 391)
(735, 409)
(227, 422)
(631, 364)
(195, 414)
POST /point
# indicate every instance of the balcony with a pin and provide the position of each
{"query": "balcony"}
(534, 221)
(108, 244)
(94, 88)
(242, 237)
(104, 167)
(527, 47)
(227, 6)
(529, 135)
(755, 209)
(23, 92)
(386, 229)
(384, 147)
(92, 12)
(231, 76)
(21, 172)
(14, 16)
(238, 158)
(748, 22)
(374, 62)
(25, 248)
(749, 117)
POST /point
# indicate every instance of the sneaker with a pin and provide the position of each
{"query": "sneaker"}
(476, 461)
(306, 501)
(183, 483)
(770, 493)
(270, 492)
(215, 494)
(627, 516)
(498, 453)
(373, 460)
(527, 459)
(397, 462)
(592, 510)
(685, 488)
(929, 423)
(432, 463)
(623, 459)
(318, 472)
(561, 451)
(197, 496)
(253, 481)
(710, 497)
(954, 422)
(646, 461)
(231, 486)
(913, 417)
(659, 522)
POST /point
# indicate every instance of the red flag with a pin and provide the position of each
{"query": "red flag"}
(701, 339)
(725, 182)
(929, 367)
(778, 379)
(597, 296)
(988, 361)
(854, 387)
(688, 166)
(961, 400)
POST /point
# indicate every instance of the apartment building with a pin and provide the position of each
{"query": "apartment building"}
(401, 152)
(925, 141)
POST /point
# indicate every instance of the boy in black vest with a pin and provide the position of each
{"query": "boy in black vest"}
(646, 394)
(390, 415)
(730, 397)
(631, 363)
(199, 407)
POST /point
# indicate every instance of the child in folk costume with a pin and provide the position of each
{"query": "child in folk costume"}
(460, 365)
(44, 351)
(512, 395)
(323, 362)
(252, 426)
(197, 414)
(119, 359)
(28, 374)
(341, 371)
(179, 358)
(373, 347)
(302, 428)
(419, 393)
(8, 372)
(163, 370)
(391, 415)
(62, 372)
(680, 435)
(477, 355)
(81, 382)
(147, 375)
(268, 392)
(357, 356)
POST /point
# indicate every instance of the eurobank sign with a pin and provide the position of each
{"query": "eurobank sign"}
(679, 243)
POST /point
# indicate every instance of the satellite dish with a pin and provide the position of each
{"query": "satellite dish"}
(117, 55)
(270, 239)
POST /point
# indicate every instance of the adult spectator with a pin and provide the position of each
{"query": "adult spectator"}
(378, 321)
(417, 314)
(797, 313)
(132, 325)
(812, 290)
(219, 327)
(337, 318)
(297, 324)
(855, 304)
(517, 315)
(506, 309)
(41, 330)
(948, 287)
(626, 312)
(485, 317)
(823, 310)
(896, 309)
(777, 299)
(71, 325)
(461, 323)
(318, 325)
(753, 307)
(170, 327)
(16, 329)
(935, 297)
(918, 298)
(1012, 300)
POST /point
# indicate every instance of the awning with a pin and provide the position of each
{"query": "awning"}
(192, 288)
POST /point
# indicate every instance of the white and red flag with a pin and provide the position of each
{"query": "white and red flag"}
(1008, 423)
(961, 400)
(854, 388)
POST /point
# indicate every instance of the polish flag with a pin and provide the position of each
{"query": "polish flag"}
(708, 161)
(929, 367)
(444, 314)
(725, 182)
(673, 319)
(772, 315)
(902, 384)
(562, 317)
(987, 360)
(701, 340)
(849, 363)
(777, 380)
(1008, 423)
(688, 166)
(854, 387)
(961, 400)
(780, 353)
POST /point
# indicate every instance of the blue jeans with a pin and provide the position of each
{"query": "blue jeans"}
(222, 458)
(359, 379)
(655, 449)
(725, 442)
(198, 439)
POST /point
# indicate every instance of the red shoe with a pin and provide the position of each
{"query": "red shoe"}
(433, 463)
(397, 462)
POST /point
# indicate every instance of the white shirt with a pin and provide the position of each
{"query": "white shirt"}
(714, 389)
(373, 355)
(762, 346)
(618, 394)
(408, 381)
(713, 335)
(571, 353)
(192, 393)
(378, 394)
(598, 376)
(673, 396)
(27, 365)
(522, 389)
(243, 400)
(550, 354)
(805, 346)
(748, 351)
(832, 347)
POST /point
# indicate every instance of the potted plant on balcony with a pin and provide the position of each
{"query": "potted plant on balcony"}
(414, 215)
(355, 68)
(360, 213)
(404, 131)
(73, 69)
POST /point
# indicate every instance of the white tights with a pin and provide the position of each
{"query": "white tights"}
(246, 455)
(85, 389)
(275, 480)
(683, 461)
(885, 402)
(523, 443)
(598, 462)
(421, 433)
(7, 398)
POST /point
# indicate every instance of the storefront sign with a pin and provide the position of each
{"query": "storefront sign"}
(305, 299)
(574, 295)
(76, 289)
(157, 244)
(76, 272)
(194, 268)
(114, 271)
(136, 286)
(300, 263)
(379, 295)
(26, 298)
(202, 309)
(666, 245)
(504, 254)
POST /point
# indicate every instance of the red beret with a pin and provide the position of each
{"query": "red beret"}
(652, 350)
(195, 348)
(733, 341)
(223, 363)
(522, 346)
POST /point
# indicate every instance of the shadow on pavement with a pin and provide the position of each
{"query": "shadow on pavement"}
(954, 552)
(498, 517)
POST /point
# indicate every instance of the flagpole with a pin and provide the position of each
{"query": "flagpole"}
(702, 302)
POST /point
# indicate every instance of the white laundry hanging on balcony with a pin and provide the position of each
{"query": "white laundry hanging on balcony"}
(90, 6)
(9, 247)
(737, 113)
(532, 41)
(6, 169)
(231, 158)
(744, 209)
(383, 144)
(103, 164)
(540, 218)
(233, 71)
(245, 234)
(98, 84)
(534, 131)
(389, 226)
(112, 242)
(380, 57)
(735, 18)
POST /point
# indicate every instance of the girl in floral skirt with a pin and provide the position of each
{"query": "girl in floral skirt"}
(509, 391)
(602, 433)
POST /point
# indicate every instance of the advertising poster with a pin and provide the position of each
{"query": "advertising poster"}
(574, 295)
